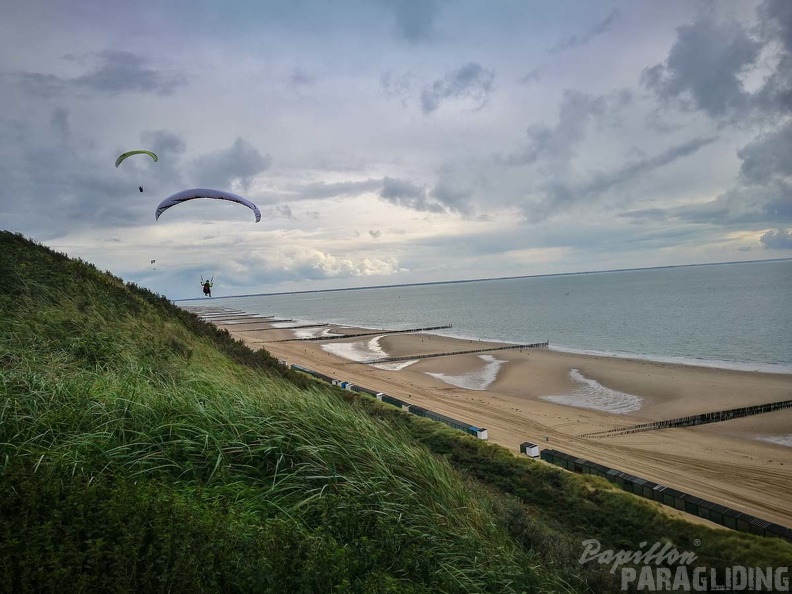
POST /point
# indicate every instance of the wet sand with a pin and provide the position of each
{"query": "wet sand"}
(723, 462)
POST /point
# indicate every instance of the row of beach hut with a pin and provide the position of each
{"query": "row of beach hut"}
(419, 411)
(686, 502)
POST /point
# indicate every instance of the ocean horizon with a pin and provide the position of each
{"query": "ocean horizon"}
(733, 315)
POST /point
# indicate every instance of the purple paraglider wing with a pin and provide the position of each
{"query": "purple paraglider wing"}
(195, 193)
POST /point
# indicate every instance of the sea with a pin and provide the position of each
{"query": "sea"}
(734, 316)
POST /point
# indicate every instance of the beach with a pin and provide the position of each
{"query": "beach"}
(553, 398)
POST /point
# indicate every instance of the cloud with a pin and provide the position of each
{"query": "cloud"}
(604, 181)
(407, 194)
(115, 72)
(580, 40)
(577, 109)
(472, 81)
(164, 142)
(415, 19)
(312, 264)
(124, 71)
(397, 87)
(559, 194)
(776, 25)
(281, 211)
(704, 67)
(325, 190)
(532, 76)
(301, 78)
(776, 17)
(241, 162)
(777, 240)
(41, 85)
(739, 207)
(768, 156)
(60, 123)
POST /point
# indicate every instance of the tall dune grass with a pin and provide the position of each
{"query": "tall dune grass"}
(135, 450)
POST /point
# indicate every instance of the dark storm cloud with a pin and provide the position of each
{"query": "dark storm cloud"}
(703, 71)
(777, 20)
(472, 81)
(415, 19)
(580, 40)
(777, 240)
(704, 66)
(408, 194)
(768, 156)
(240, 162)
(776, 27)
(115, 72)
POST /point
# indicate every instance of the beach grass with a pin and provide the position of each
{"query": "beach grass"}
(142, 449)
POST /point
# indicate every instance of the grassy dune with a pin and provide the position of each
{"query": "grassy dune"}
(144, 450)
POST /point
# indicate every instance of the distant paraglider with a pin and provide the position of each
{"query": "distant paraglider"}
(195, 193)
(123, 156)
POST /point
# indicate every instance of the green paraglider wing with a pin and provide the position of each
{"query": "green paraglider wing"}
(192, 194)
(123, 156)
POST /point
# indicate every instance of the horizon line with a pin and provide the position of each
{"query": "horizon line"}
(474, 280)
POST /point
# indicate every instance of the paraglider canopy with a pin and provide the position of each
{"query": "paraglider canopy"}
(123, 156)
(195, 193)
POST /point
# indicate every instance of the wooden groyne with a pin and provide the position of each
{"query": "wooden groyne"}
(287, 328)
(340, 336)
(700, 419)
(510, 347)
(248, 320)
(223, 316)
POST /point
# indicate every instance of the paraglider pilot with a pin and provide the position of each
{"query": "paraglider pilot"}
(207, 288)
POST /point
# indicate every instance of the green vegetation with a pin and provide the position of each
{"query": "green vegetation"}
(142, 449)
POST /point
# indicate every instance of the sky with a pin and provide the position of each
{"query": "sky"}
(396, 141)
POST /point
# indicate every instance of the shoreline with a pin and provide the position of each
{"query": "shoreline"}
(726, 462)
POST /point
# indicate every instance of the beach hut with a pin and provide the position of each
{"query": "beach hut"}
(529, 449)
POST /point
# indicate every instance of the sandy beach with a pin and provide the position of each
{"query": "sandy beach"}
(553, 398)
